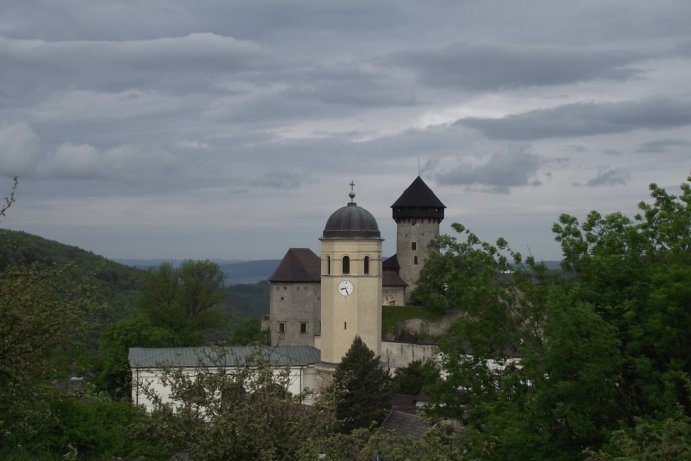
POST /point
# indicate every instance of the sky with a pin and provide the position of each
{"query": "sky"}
(219, 129)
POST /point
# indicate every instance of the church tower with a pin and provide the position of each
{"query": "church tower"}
(417, 213)
(351, 281)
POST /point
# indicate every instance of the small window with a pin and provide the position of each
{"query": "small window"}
(303, 327)
(281, 298)
(281, 327)
(366, 264)
(345, 325)
(346, 265)
(328, 265)
(413, 246)
(415, 260)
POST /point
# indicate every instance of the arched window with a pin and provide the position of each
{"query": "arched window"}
(366, 264)
(328, 265)
(346, 265)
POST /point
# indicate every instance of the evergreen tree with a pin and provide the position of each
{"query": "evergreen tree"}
(361, 388)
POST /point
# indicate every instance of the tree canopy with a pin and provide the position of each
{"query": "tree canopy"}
(599, 346)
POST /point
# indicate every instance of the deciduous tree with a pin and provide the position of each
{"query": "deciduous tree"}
(599, 348)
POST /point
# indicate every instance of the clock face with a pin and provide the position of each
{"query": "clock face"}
(345, 288)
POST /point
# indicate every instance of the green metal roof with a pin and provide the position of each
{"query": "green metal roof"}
(188, 357)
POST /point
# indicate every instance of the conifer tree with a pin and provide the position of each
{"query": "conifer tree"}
(361, 389)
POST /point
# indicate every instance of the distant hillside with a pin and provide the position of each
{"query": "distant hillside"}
(249, 271)
(115, 284)
(235, 271)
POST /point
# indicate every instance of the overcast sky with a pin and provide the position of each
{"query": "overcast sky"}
(231, 129)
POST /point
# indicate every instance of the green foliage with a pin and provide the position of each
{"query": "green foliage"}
(599, 349)
(234, 414)
(250, 332)
(138, 331)
(180, 298)
(115, 285)
(436, 444)
(96, 427)
(637, 275)
(251, 299)
(38, 313)
(648, 440)
(361, 389)
(414, 377)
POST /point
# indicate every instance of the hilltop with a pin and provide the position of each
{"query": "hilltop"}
(115, 285)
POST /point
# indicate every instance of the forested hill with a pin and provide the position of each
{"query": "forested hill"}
(115, 284)
(236, 272)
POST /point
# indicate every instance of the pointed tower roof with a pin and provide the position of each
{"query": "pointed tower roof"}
(418, 201)
(418, 194)
(298, 265)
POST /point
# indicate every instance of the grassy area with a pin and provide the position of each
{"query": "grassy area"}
(391, 315)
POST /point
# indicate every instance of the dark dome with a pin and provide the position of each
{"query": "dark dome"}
(351, 221)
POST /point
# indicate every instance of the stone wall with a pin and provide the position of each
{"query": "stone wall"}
(412, 247)
(393, 296)
(294, 305)
(399, 355)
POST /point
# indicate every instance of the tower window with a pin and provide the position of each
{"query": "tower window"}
(415, 260)
(345, 325)
(413, 246)
(281, 327)
(346, 265)
(303, 327)
(328, 265)
(366, 264)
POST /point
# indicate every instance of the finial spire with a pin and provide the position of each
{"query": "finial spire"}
(352, 194)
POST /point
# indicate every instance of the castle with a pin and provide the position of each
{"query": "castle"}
(319, 304)
(324, 301)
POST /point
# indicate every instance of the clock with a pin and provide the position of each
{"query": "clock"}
(345, 288)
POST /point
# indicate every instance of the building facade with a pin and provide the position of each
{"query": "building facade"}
(318, 304)
(307, 306)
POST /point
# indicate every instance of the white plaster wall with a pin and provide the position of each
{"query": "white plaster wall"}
(399, 355)
(301, 379)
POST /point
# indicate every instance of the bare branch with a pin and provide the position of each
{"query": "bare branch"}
(10, 199)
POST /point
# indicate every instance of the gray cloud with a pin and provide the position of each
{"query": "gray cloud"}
(498, 172)
(486, 67)
(283, 180)
(586, 119)
(129, 123)
(19, 149)
(661, 146)
(607, 177)
(198, 60)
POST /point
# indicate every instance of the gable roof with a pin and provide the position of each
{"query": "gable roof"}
(190, 357)
(405, 424)
(298, 265)
(391, 263)
(418, 195)
(391, 278)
